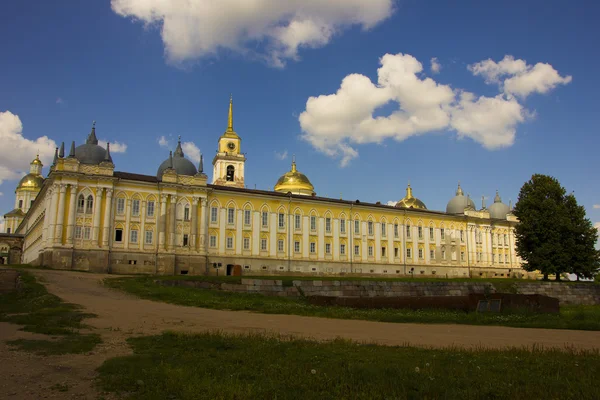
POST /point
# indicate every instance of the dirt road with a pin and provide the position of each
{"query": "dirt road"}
(121, 316)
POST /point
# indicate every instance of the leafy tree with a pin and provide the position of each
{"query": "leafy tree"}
(553, 235)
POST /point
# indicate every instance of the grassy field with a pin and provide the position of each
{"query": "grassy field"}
(570, 317)
(42, 312)
(217, 366)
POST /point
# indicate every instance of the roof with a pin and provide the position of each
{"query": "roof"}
(135, 177)
(15, 212)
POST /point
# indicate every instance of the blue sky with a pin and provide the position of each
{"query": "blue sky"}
(65, 64)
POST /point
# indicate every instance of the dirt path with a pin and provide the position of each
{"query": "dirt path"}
(121, 316)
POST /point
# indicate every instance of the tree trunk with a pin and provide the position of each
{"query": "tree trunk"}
(558, 276)
(577, 277)
(545, 277)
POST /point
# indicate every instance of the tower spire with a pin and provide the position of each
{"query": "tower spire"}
(409, 194)
(92, 139)
(230, 115)
(179, 150)
(293, 163)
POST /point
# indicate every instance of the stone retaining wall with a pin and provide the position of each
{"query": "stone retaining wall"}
(571, 293)
(10, 280)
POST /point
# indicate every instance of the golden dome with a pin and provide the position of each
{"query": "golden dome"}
(37, 160)
(295, 182)
(31, 181)
(411, 202)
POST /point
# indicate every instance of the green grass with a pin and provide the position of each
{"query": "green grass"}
(216, 366)
(41, 312)
(570, 317)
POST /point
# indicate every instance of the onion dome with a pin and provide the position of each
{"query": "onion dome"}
(411, 202)
(178, 162)
(90, 152)
(498, 210)
(34, 179)
(294, 182)
(459, 203)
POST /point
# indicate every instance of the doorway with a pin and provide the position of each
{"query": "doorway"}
(234, 270)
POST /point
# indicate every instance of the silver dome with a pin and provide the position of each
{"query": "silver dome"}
(498, 210)
(458, 203)
(178, 162)
(91, 152)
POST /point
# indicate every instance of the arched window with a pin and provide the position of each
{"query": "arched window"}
(80, 203)
(230, 173)
(89, 204)
(186, 213)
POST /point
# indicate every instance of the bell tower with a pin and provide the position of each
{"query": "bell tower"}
(228, 164)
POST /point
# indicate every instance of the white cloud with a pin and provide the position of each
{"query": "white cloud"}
(391, 203)
(1, 194)
(520, 78)
(1, 224)
(163, 142)
(436, 67)
(597, 225)
(191, 151)
(335, 123)
(281, 156)
(596, 206)
(20, 151)
(115, 147)
(272, 30)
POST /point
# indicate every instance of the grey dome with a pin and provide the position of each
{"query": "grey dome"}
(498, 210)
(458, 203)
(178, 162)
(91, 152)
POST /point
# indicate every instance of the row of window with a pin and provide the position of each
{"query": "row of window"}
(134, 236)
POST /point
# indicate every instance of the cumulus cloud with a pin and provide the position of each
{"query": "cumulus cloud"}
(191, 151)
(517, 77)
(115, 147)
(391, 203)
(14, 162)
(436, 67)
(335, 123)
(273, 30)
(281, 156)
(163, 142)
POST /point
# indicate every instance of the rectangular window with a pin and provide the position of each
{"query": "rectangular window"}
(120, 206)
(31, 203)
(281, 220)
(443, 254)
(328, 225)
(280, 245)
(214, 213)
(342, 249)
(431, 233)
(420, 254)
(247, 217)
(265, 219)
(229, 242)
(246, 243)
(408, 254)
(420, 231)
(230, 216)
(396, 252)
(297, 221)
(263, 244)
(186, 240)
(462, 236)
(407, 231)
(383, 229)
(327, 248)
(149, 235)
(150, 209)
(80, 204)
(133, 236)
(20, 203)
(505, 239)
(462, 256)
(118, 235)
(442, 233)
(313, 247)
(77, 232)
(356, 250)
(383, 252)
(342, 225)
(370, 228)
(357, 227)
(370, 251)
(395, 230)
(87, 233)
(212, 241)
(186, 213)
(432, 254)
(313, 223)
(135, 208)
(297, 247)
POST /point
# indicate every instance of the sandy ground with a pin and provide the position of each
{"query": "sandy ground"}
(27, 376)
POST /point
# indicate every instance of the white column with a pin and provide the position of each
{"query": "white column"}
(52, 212)
(127, 226)
(72, 214)
(203, 221)
(107, 217)
(336, 239)
(97, 211)
(194, 224)
(172, 226)
(162, 222)
(47, 201)
(60, 214)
